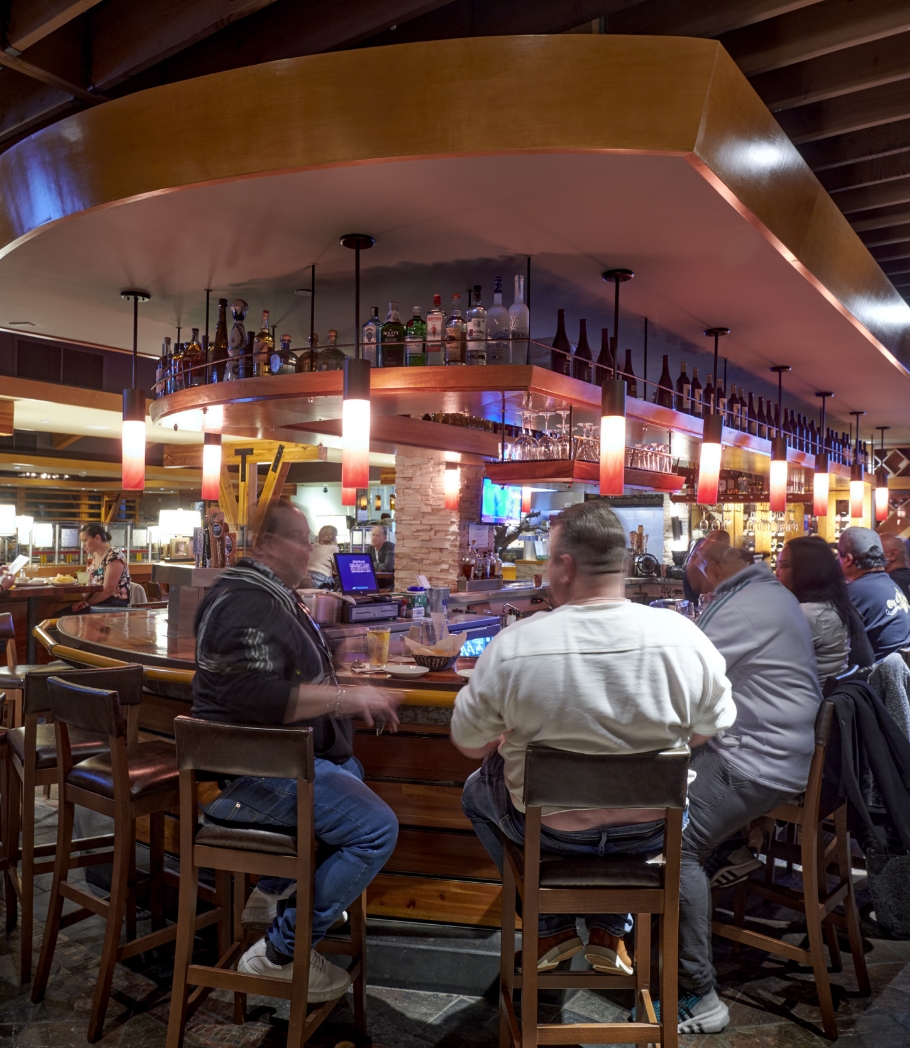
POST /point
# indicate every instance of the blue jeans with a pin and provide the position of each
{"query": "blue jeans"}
(487, 803)
(350, 819)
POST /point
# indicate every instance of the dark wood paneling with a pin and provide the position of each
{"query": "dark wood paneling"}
(407, 755)
(438, 807)
(425, 899)
(438, 854)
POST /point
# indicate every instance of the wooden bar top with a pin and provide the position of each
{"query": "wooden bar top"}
(24, 590)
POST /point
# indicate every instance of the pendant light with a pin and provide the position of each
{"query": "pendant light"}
(355, 406)
(821, 479)
(778, 477)
(712, 440)
(211, 467)
(613, 407)
(452, 485)
(857, 481)
(881, 481)
(133, 432)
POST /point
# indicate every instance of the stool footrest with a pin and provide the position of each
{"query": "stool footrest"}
(572, 980)
(598, 1033)
(767, 943)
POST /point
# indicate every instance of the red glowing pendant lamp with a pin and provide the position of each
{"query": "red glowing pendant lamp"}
(881, 482)
(452, 485)
(211, 467)
(133, 432)
(857, 474)
(712, 439)
(778, 477)
(821, 479)
(613, 405)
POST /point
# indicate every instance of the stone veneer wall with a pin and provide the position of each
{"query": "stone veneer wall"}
(430, 538)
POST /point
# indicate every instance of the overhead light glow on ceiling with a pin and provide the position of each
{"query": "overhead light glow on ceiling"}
(97, 427)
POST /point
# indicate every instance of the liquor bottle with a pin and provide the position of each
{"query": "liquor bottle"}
(456, 333)
(392, 339)
(604, 369)
(695, 394)
(664, 395)
(707, 397)
(752, 419)
(306, 361)
(683, 391)
(263, 347)
(561, 354)
(415, 354)
(241, 365)
(581, 363)
(498, 327)
(628, 375)
(283, 361)
(178, 379)
(161, 367)
(476, 318)
(519, 324)
(721, 397)
(331, 358)
(436, 333)
(732, 409)
(371, 337)
(193, 361)
(219, 355)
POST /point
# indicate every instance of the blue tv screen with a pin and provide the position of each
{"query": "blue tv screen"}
(501, 503)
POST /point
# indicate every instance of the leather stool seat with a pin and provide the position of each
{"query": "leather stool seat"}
(592, 871)
(16, 678)
(83, 745)
(219, 836)
(152, 768)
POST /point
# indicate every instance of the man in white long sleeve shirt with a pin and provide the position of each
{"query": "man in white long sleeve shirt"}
(597, 675)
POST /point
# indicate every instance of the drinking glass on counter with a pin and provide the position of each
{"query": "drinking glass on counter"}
(378, 646)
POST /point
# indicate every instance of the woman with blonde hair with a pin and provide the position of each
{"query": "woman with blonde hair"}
(322, 556)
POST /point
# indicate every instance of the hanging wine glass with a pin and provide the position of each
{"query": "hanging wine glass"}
(524, 448)
(546, 445)
(564, 441)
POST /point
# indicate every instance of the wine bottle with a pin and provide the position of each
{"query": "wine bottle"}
(498, 327)
(604, 369)
(414, 344)
(707, 397)
(721, 399)
(813, 437)
(519, 324)
(561, 354)
(695, 394)
(732, 408)
(393, 339)
(752, 418)
(219, 355)
(665, 386)
(760, 420)
(800, 433)
(372, 337)
(456, 333)
(628, 376)
(581, 363)
(683, 387)
(476, 319)
(777, 430)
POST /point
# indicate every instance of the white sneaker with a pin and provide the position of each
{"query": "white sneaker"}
(327, 981)
(261, 908)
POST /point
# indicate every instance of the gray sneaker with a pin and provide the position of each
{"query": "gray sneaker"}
(327, 981)
(706, 1014)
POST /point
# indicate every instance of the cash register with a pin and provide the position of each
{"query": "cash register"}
(358, 581)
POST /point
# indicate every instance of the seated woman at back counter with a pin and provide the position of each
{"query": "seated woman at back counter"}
(107, 567)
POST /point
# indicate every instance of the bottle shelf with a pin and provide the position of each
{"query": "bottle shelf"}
(569, 471)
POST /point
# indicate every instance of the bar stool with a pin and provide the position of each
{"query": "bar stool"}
(809, 814)
(12, 676)
(33, 760)
(581, 884)
(233, 750)
(126, 783)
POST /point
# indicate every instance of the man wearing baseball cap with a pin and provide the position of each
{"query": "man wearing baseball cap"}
(881, 603)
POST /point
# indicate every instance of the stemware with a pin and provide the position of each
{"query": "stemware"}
(564, 441)
(524, 447)
(546, 445)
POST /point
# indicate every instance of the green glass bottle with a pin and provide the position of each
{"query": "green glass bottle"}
(393, 339)
(415, 354)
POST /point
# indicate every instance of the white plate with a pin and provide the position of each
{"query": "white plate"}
(399, 670)
(465, 673)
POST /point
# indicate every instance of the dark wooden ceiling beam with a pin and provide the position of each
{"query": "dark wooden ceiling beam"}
(814, 31)
(880, 218)
(871, 142)
(887, 235)
(883, 195)
(705, 18)
(847, 113)
(33, 20)
(44, 76)
(869, 65)
(892, 253)
(866, 173)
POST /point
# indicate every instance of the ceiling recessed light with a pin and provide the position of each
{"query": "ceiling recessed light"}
(97, 427)
(45, 422)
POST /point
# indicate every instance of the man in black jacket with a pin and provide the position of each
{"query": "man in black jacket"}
(262, 660)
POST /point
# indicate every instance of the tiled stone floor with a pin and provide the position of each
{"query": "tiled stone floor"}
(772, 1004)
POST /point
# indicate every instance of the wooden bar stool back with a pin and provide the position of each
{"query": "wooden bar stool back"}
(126, 783)
(33, 763)
(809, 814)
(12, 677)
(581, 884)
(204, 747)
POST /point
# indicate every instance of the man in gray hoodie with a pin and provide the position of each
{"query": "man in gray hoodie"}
(762, 760)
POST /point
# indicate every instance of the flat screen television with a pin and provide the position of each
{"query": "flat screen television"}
(501, 503)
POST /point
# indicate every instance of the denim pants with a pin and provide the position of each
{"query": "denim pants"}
(358, 827)
(487, 803)
(721, 801)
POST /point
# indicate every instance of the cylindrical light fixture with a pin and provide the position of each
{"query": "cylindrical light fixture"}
(612, 437)
(133, 440)
(133, 432)
(857, 475)
(778, 478)
(452, 484)
(525, 500)
(821, 480)
(881, 482)
(355, 429)
(709, 462)
(211, 467)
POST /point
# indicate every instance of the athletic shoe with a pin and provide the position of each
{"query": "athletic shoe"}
(706, 1014)
(261, 908)
(327, 981)
(607, 953)
(734, 867)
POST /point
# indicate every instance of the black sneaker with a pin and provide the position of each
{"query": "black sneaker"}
(733, 867)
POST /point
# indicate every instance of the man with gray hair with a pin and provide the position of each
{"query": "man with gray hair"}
(897, 560)
(597, 675)
(882, 604)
